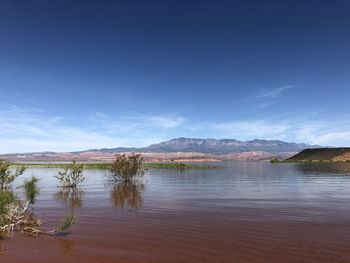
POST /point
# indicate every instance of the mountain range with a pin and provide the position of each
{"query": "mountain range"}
(214, 146)
(180, 149)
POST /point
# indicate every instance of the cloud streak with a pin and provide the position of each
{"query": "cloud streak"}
(268, 97)
(27, 130)
(296, 130)
(273, 93)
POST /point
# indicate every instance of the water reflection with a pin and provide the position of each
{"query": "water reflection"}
(70, 197)
(66, 246)
(324, 168)
(128, 194)
(2, 247)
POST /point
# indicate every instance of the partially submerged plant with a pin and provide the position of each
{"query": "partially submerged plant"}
(17, 216)
(127, 168)
(72, 176)
(7, 176)
(6, 197)
(31, 189)
(67, 222)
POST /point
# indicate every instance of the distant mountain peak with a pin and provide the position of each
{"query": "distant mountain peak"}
(224, 146)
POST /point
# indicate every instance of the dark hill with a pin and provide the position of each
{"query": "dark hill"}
(322, 154)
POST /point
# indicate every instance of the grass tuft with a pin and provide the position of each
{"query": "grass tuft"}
(31, 189)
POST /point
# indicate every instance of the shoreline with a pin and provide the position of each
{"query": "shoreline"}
(107, 165)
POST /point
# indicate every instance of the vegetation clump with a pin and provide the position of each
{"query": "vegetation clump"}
(6, 197)
(275, 160)
(72, 176)
(31, 189)
(67, 222)
(7, 176)
(19, 217)
(127, 168)
(16, 215)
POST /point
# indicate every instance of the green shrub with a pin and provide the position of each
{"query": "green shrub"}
(72, 176)
(31, 189)
(127, 168)
(275, 160)
(7, 176)
(6, 197)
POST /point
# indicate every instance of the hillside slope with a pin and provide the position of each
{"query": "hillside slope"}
(322, 154)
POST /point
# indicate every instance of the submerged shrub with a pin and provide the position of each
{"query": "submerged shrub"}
(127, 168)
(7, 176)
(67, 222)
(72, 176)
(31, 189)
(17, 216)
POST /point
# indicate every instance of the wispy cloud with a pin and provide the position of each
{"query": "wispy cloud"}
(325, 133)
(135, 121)
(273, 93)
(30, 130)
(253, 129)
(295, 130)
(166, 121)
(267, 97)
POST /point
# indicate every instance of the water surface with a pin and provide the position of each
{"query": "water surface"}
(245, 212)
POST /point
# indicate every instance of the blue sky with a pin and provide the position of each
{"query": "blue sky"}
(76, 75)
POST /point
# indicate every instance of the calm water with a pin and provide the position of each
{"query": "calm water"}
(246, 212)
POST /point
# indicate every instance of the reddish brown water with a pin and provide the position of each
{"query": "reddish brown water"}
(247, 212)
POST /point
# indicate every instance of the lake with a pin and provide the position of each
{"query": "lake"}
(244, 212)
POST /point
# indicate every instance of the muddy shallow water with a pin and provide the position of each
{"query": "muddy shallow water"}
(246, 212)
